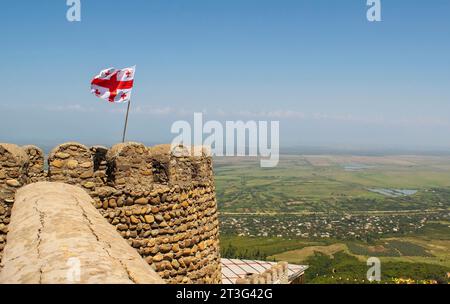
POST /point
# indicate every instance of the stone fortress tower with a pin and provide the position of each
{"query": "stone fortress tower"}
(162, 202)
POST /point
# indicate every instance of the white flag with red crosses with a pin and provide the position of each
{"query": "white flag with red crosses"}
(114, 85)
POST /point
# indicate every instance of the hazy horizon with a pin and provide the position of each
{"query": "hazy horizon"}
(329, 76)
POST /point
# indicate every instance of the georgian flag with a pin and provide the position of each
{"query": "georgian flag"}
(114, 85)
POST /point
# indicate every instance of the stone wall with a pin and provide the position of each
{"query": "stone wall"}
(13, 174)
(56, 236)
(278, 274)
(100, 164)
(36, 171)
(161, 201)
(168, 214)
(73, 164)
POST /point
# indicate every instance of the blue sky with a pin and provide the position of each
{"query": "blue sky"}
(330, 77)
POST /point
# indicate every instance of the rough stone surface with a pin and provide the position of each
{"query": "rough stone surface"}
(130, 166)
(161, 200)
(13, 174)
(100, 164)
(64, 165)
(13, 170)
(53, 228)
(170, 211)
(36, 171)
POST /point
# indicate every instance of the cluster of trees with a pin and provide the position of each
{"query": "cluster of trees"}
(232, 252)
(344, 268)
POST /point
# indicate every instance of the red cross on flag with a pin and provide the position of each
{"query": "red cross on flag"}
(114, 85)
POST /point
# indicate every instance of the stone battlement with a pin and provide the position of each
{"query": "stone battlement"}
(278, 274)
(162, 201)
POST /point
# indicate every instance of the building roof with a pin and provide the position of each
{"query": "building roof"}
(233, 269)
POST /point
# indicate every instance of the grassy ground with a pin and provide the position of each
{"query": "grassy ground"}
(299, 256)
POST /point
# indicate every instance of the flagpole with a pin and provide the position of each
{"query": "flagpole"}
(126, 122)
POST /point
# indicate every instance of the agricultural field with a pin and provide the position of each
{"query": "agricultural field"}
(324, 183)
(334, 212)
